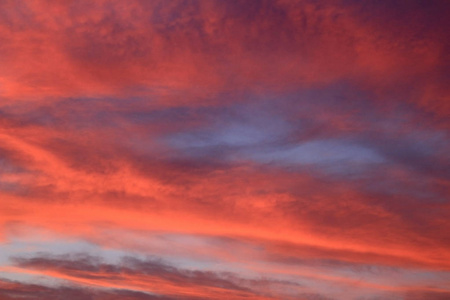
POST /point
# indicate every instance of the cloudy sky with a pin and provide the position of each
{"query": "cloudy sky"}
(224, 150)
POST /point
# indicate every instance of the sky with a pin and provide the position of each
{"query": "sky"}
(206, 149)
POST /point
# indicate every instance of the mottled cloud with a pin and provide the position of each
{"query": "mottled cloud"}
(10, 290)
(189, 52)
(306, 142)
(152, 276)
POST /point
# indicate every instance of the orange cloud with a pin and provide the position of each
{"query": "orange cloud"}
(183, 53)
(292, 132)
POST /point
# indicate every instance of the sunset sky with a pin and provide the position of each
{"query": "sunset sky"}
(224, 149)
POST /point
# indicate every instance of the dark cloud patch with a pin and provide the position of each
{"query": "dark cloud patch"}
(84, 266)
(13, 290)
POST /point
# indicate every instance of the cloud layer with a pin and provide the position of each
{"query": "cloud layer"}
(224, 150)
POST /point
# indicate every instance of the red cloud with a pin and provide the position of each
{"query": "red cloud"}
(139, 116)
(184, 53)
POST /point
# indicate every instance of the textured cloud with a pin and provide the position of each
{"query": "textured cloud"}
(155, 278)
(151, 276)
(188, 52)
(303, 142)
(10, 290)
